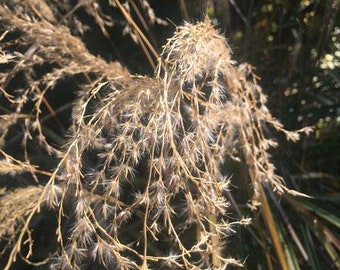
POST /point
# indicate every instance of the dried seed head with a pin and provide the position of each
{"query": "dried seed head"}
(195, 50)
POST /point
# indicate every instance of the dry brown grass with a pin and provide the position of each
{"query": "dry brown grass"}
(138, 185)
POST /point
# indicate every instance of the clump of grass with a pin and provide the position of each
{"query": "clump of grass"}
(139, 184)
(151, 150)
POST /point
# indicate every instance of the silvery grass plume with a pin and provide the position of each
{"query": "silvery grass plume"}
(139, 184)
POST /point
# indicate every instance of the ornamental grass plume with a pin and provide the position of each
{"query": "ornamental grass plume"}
(139, 184)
